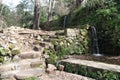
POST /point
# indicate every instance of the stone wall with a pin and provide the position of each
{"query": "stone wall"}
(72, 41)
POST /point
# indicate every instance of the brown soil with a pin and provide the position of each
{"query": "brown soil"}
(106, 59)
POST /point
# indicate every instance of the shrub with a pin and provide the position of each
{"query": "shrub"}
(96, 74)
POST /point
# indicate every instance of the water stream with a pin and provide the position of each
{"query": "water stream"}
(64, 25)
(96, 51)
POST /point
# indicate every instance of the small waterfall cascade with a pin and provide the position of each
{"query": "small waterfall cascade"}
(64, 25)
(96, 51)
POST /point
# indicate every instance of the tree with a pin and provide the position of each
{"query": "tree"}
(6, 18)
(78, 2)
(92, 3)
(50, 9)
(36, 21)
(24, 16)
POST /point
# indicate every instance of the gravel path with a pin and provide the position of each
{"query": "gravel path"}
(60, 75)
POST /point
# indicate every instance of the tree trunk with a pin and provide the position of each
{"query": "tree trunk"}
(50, 9)
(36, 21)
(78, 2)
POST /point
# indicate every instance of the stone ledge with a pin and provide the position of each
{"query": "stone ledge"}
(30, 55)
(22, 65)
(93, 64)
(21, 74)
(61, 75)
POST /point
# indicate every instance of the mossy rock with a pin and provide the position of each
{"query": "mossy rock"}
(1, 59)
(3, 51)
(11, 46)
(15, 52)
(36, 42)
(84, 32)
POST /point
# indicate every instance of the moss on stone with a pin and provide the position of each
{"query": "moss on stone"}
(36, 42)
(15, 52)
(11, 46)
(83, 32)
(1, 59)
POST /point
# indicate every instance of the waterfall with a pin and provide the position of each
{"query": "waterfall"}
(64, 25)
(95, 42)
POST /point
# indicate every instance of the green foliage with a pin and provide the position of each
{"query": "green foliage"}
(96, 74)
(66, 46)
(93, 3)
(24, 13)
(6, 54)
(108, 75)
(2, 51)
(1, 59)
(53, 58)
(105, 16)
(36, 42)
(6, 16)
(26, 19)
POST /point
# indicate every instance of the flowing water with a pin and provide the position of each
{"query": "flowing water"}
(64, 25)
(96, 51)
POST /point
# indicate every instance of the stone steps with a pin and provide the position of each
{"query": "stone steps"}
(46, 45)
(94, 64)
(22, 65)
(30, 55)
(61, 75)
(21, 74)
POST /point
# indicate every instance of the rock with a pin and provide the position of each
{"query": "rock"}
(46, 45)
(1, 31)
(15, 52)
(31, 36)
(61, 67)
(36, 42)
(12, 40)
(37, 48)
(31, 54)
(35, 72)
(12, 78)
(15, 66)
(60, 32)
(83, 32)
(46, 56)
(37, 63)
(16, 58)
(2, 36)
(72, 32)
(39, 38)
(8, 75)
(61, 43)
(47, 39)
(51, 68)
(11, 46)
